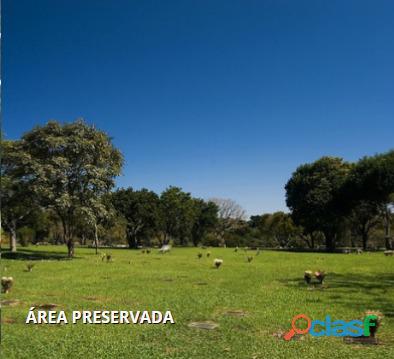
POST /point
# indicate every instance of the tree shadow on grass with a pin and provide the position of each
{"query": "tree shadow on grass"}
(359, 291)
(366, 291)
(357, 282)
(350, 281)
(31, 255)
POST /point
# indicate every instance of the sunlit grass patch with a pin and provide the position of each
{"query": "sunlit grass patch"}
(250, 303)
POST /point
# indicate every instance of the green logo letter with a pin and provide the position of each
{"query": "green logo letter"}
(369, 321)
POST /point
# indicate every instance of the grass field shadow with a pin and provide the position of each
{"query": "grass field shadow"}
(33, 255)
(357, 281)
(356, 290)
(367, 291)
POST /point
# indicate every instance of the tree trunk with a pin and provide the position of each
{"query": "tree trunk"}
(132, 240)
(330, 242)
(68, 239)
(387, 225)
(165, 239)
(132, 237)
(364, 234)
(70, 247)
(365, 240)
(13, 238)
(312, 241)
(95, 237)
(352, 241)
(388, 244)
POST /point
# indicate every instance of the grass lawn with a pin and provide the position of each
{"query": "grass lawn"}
(270, 290)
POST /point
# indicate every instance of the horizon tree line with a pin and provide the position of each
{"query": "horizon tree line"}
(58, 181)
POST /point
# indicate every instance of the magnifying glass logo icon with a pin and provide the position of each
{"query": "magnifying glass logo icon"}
(295, 330)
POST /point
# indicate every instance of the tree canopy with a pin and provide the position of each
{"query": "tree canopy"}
(141, 209)
(71, 165)
(17, 197)
(312, 196)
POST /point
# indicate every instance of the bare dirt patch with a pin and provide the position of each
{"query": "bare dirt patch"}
(236, 313)
(10, 303)
(207, 325)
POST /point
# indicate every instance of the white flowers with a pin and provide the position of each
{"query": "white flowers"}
(217, 262)
(320, 275)
(165, 249)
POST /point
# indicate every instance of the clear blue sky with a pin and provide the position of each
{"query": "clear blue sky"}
(223, 98)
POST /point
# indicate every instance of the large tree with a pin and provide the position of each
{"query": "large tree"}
(141, 211)
(73, 165)
(17, 198)
(364, 216)
(179, 214)
(206, 219)
(372, 179)
(312, 194)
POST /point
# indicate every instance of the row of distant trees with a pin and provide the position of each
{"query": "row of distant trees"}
(58, 186)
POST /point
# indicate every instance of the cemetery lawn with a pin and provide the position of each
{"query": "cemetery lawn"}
(253, 303)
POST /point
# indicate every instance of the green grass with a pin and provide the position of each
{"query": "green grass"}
(270, 290)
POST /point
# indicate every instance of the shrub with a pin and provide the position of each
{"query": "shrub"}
(26, 235)
(211, 240)
(29, 266)
(199, 255)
